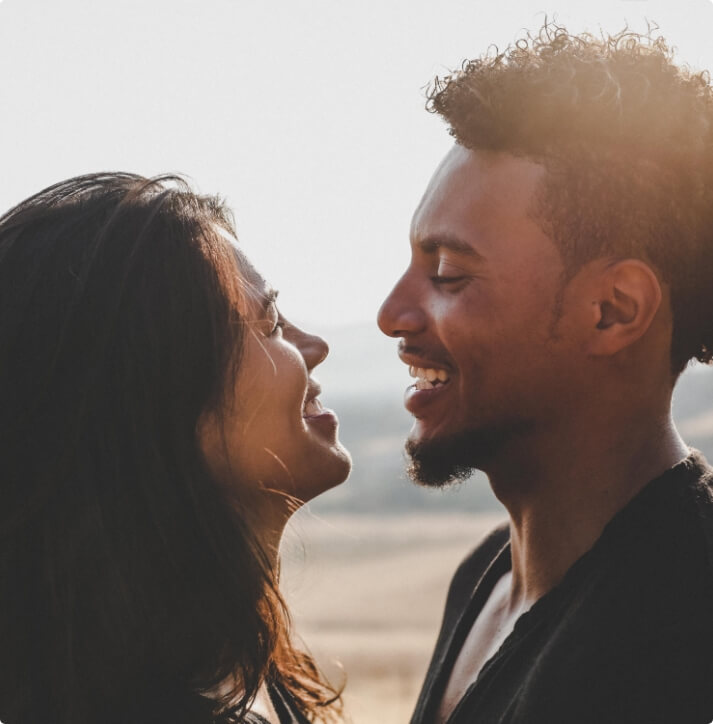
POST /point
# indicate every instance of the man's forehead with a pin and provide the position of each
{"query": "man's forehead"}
(470, 188)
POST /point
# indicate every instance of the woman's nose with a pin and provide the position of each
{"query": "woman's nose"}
(313, 348)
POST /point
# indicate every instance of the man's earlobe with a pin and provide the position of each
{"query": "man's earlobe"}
(629, 297)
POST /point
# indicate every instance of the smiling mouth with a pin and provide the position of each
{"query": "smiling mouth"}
(319, 418)
(428, 378)
(312, 408)
(313, 411)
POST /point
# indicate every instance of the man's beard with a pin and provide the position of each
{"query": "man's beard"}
(441, 461)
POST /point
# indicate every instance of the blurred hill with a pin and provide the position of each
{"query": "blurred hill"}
(364, 381)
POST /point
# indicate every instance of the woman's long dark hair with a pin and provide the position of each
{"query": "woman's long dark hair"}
(128, 586)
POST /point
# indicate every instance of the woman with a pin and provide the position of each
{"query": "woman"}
(158, 425)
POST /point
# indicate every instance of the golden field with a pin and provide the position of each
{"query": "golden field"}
(367, 594)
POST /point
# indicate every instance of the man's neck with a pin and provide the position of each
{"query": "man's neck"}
(560, 499)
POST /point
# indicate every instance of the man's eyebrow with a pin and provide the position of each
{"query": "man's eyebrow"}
(432, 244)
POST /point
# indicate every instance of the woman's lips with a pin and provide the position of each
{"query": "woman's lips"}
(312, 408)
(322, 418)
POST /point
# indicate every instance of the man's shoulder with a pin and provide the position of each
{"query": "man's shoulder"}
(673, 522)
(685, 528)
(700, 492)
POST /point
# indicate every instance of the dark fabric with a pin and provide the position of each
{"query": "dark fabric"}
(253, 718)
(625, 638)
(284, 707)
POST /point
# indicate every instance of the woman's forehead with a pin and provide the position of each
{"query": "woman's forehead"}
(254, 285)
(256, 293)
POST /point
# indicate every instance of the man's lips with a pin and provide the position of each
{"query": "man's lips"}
(421, 362)
(417, 401)
(432, 380)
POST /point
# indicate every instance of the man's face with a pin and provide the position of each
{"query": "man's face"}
(479, 308)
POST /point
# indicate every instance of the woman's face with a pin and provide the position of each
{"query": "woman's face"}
(273, 433)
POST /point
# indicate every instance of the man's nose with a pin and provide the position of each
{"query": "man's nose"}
(401, 313)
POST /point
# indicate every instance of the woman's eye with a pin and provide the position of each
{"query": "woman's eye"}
(275, 319)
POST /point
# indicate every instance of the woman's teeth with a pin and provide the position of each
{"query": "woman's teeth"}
(428, 378)
(312, 407)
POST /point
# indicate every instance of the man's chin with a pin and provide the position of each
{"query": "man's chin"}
(439, 462)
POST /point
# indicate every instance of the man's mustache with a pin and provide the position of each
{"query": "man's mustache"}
(429, 353)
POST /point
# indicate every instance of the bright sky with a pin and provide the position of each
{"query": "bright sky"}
(306, 114)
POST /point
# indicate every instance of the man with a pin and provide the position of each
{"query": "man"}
(561, 279)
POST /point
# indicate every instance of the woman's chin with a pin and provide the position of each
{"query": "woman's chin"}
(329, 467)
(333, 470)
(343, 466)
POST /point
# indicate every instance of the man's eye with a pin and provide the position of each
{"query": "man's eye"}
(441, 280)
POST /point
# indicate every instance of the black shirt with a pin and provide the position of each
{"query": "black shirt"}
(625, 638)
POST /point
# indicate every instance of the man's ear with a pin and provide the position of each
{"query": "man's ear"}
(628, 295)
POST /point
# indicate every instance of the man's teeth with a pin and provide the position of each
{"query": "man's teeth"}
(428, 378)
(312, 407)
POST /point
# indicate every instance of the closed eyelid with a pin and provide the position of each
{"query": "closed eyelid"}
(274, 318)
(269, 318)
(269, 300)
(447, 267)
(447, 264)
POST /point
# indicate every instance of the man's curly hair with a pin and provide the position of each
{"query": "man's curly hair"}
(626, 136)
